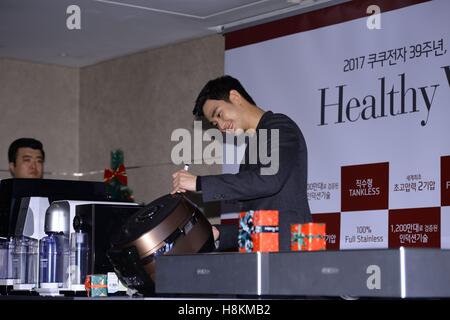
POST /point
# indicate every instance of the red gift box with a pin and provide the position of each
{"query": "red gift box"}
(308, 237)
(258, 231)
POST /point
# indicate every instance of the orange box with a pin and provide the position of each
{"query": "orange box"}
(308, 237)
(265, 242)
(265, 218)
(258, 231)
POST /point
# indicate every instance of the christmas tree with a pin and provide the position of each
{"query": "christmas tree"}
(116, 179)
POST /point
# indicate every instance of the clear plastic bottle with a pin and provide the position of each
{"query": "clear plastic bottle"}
(25, 262)
(7, 275)
(79, 259)
(52, 260)
(32, 262)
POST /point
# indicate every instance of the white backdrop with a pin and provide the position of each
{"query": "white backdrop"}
(290, 74)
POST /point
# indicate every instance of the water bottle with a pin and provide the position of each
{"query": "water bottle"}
(32, 262)
(24, 263)
(79, 259)
(20, 260)
(7, 247)
(52, 258)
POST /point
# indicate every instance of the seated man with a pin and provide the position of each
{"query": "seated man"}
(26, 158)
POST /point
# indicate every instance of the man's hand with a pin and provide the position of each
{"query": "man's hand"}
(216, 233)
(183, 181)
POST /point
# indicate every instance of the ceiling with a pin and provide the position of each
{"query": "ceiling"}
(36, 30)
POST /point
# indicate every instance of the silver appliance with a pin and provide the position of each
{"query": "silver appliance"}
(23, 206)
(382, 273)
(59, 226)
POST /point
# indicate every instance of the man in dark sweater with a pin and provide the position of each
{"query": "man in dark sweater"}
(258, 185)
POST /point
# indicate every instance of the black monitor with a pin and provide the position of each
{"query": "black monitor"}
(13, 190)
(102, 222)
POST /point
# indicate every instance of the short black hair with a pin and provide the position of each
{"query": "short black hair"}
(219, 89)
(24, 143)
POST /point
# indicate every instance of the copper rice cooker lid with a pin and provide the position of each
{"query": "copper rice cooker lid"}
(150, 218)
(171, 224)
